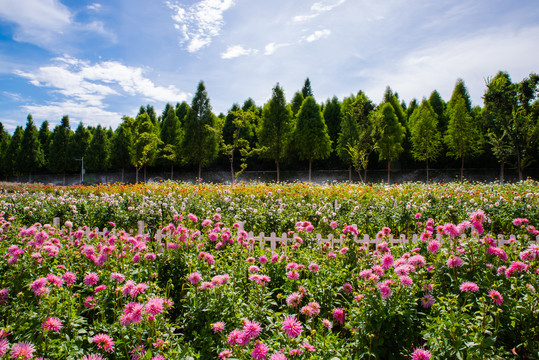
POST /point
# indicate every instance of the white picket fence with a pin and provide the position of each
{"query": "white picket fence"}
(276, 241)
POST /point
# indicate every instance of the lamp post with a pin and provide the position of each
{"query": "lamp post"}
(81, 170)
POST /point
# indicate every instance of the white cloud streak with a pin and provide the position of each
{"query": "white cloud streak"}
(237, 51)
(84, 87)
(317, 9)
(199, 23)
(317, 35)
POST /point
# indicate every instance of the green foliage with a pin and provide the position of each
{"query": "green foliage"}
(311, 134)
(60, 159)
(425, 136)
(462, 138)
(31, 155)
(98, 158)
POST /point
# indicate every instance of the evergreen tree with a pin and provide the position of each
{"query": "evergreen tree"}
(13, 151)
(275, 128)
(80, 142)
(4, 145)
(459, 90)
(306, 91)
(98, 157)
(357, 136)
(45, 139)
(295, 105)
(181, 112)
(426, 138)
(61, 160)
(311, 133)
(171, 137)
(391, 135)
(122, 147)
(333, 117)
(146, 144)
(31, 155)
(200, 143)
(462, 137)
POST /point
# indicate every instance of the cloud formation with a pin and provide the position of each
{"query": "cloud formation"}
(236, 51)
(200, 22)
(84, 87)
(318, 34)
(317, 9)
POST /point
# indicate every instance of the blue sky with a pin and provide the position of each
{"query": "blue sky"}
(99, 60)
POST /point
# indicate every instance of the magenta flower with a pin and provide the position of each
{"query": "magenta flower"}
(469, 286)
(92, 357)
(278, 356)
(154, 305)
(496, 297)
(433, 246)
(252, 329)
(313, 267)
(4, 347)
(339, 315)
(260, 351)
(421, 354)
(69, 278)
(91, 279)
(387, 261)
(327, 324)
(385, 291)
(454, 261)
(347, 287)
(194, 278)
(294, 299)
(22, 350)
(406, 281)
(427, 301)
(218, 326)
(52, 324)
(104, 342)
(293, 275)
(291, 326)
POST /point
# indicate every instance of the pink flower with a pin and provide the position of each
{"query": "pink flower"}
(104, 342)
(91, 279)
(53, 324)
(69, 278)
(4, 347)
(291, 326)
(117, 277)
(519, 221)
(22, 350)
(192, 217)
(385, 290)
(387, 261)
(260, 351)
(469, 286)
(327, 324)
(137, 290)
(100, 288)
(347, 288)
(451, 230)
(421, 354)
(496, 297)
(154, 305)
(194, 278)
(427, 301)
(417, 261)
(292, 275)
(454, 261)
(252, 329)
(89, 302)
(433, 246)
(218, 326)
(406, 281)
(278, 356)
(313, 267)
(339, 315)
(92, 357)
(294, 299)
(263, 259)
(225, 354)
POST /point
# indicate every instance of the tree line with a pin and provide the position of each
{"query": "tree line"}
(354, 133)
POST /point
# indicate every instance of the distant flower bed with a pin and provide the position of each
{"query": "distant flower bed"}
(205, 291)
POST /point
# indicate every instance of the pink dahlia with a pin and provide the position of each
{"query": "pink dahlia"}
(260, 351)
(291, 326)
(22, 350)
(52, 324)
(421, 354)
(104, 342)
(496, 297)
(469, 286)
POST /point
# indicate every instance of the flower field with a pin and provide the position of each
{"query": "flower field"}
(205, 291)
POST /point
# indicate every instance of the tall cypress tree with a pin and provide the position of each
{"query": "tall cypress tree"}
(98, 151)
(311, 133)
(45, 140)
(426, 138)
(275, 128)
(31, 155)
(122, 147)
(332, 117)
(61, 160)
(13, 151)
(200, 144)
(4, 144)
(171, 137)
(307, 91)
(389, 144)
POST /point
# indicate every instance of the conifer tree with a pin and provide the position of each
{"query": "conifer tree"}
(275, 128)
(61, 160)
(311, 133)
(171, 137)
(31, 155)
(45, 139)
(98, 151)
(122, 147)
(391, 136)
(200, 143)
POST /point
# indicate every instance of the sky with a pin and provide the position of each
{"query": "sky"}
(97, 61)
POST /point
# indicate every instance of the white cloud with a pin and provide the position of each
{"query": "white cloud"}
(318, 34)
(236, 51)
(84, 88)
(90, 115)
(317, 9)
(272, 47)
(37, 20)
(200, 22)
(473, 59)
(94, 7)
(90, 84)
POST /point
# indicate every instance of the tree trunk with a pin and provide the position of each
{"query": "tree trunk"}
(199, 172)
(365, 176)
(388, 171)
(310, 167)
(136, 174)
(427, 170)
(519, 165)
(232, 169)
(64, 179)
(502, 175)
(145, 174)
(123, 172)
(30, 177)
(350, 173)
(277, 163)
(172, 172)
(462, 169)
